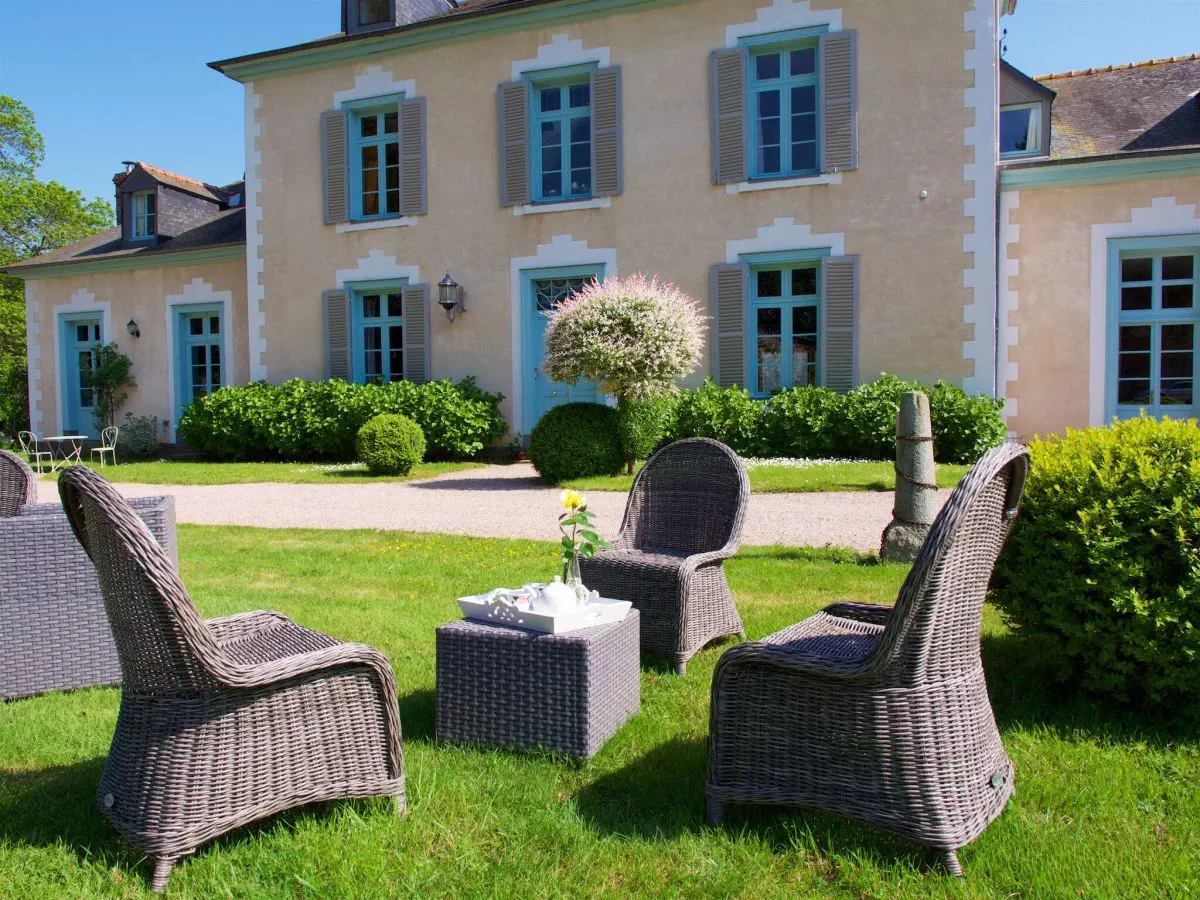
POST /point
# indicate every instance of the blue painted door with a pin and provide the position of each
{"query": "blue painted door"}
(200, 357)
(80, 335)
(545, 290)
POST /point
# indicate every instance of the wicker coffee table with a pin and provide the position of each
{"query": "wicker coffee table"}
(508, 687)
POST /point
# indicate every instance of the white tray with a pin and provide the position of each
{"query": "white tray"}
(488, 608)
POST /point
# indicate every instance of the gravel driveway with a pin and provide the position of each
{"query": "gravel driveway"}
(498, 501)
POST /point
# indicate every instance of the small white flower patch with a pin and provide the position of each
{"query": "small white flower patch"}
(784, 462)
(339, 467)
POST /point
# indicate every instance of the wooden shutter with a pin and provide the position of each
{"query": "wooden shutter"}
(414, 180)
(337, 334)
(335, 127)
(416, 332)
(512, 105)
(839, 101)
(606, 132)
(728, 96)
(729, 289)
(839, 323)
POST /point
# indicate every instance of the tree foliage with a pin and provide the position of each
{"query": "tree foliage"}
(21, 146)
(110, 374)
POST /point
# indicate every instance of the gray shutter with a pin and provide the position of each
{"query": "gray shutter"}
(512, 107)
(414, 200)
(606, 132)
(729, 131)
(839, 323)
(335, 127)
(337, 334)
(416, 332)
(839, 101)
(729, 289)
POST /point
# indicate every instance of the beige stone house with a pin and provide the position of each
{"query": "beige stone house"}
(839, 201)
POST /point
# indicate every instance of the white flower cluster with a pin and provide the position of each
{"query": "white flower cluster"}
(783, 462)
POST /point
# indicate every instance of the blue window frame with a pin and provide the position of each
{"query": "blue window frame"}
(784, 322)
(377, 342)
(145, 214)
(784, 86)
(375, 158)
(1154, 316)
(562, 135)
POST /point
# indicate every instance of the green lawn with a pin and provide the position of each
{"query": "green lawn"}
(820, 476)
(188, 472)
(1105, 806)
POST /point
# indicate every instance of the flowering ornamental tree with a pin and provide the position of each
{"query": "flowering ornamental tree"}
(634, 336)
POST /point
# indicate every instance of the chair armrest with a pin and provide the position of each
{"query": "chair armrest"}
(226, 629)
(788, 658)
(871, 613)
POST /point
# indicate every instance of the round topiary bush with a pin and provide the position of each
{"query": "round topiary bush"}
(576, 440)
(390, 444)
(1103, 564)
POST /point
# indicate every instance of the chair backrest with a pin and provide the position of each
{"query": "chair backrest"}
(691, 496)
(108, 437)
(28, 442)
(17, 484)
(162, 642)
(933, 633)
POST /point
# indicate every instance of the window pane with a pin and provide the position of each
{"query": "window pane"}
(391, 123)
(214, 324)
(804, 128)
(1177, 365)
(396, 365)
(392, 178)
(368, 126)
(804, 320)
(551, 159)
(1177, 296)
(804, 99)
(372, 12)
(1133, 392)
(551, 99)
(370, 304)
(1134, 365)
(804, 157)
(95, 332)
(370, 157)
(804, 361)
(372, 337)
(215, 376)
(1134, 337)
(581, 129)
(551, 134)
(804, 62)
(1014, 130)
(370, 180)
(768, 132)
(1133, 298)
(581, 95)
(769, 161)
(199, 355)
(552, 185)
(770, 283)
(767, 65)
(151, 204)
(769, 375)
(370, 203)
(81, 333)
(396, 337)
(393, 202)
(581, 181)
(1139, 269)
(395, 305)
(195, 325)
(804, 282)
(768, 103)
(581, 157)
(214, 354)
(1177, 267)
(1177, 337)
(391, 153)
(770, 320)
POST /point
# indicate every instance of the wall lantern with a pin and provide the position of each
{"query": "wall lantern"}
(450, 297)
(132, 327)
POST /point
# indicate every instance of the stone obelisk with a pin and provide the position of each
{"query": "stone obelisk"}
(916, 481)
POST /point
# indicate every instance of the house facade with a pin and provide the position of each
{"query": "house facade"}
(834, 198)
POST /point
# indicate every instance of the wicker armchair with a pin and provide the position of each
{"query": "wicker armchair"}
(683, 519)
(881, 713)
(229, 720)
(17, 484)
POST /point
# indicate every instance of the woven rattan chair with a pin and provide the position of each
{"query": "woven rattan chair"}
(17, 484)
(224, 721)
(683, 519)
(881, 713)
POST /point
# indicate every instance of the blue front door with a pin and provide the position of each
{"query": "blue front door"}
(80, 336)
(200, 354)
(543, 291)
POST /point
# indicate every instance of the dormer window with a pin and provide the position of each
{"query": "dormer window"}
(373, 12)
(145, 206)
(1021, 130)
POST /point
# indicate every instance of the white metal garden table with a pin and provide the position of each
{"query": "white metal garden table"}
(64, 450)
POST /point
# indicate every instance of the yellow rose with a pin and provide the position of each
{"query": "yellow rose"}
(571, 500)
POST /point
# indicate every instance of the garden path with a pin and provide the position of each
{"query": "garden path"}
(499, 501)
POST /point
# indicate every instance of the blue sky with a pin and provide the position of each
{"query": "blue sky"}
(126, 79)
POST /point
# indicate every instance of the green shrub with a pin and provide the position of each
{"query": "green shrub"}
(1103, 564)
(390, 444)
(305, 420)
(576, 440)
(802, 422)
(644, 425)
(965, 426)
(137, 437)
(729, 415)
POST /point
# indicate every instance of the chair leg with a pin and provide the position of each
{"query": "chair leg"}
(949, 861)
(715, 813)
(162, 872)
(400, 807)
(681, 667)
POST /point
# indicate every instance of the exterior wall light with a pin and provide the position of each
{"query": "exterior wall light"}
(132, 327)
(450, 297)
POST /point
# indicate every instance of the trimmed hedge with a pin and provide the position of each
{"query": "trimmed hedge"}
(312, 420)
(1103, 564)
(390, 444)
(576, 440)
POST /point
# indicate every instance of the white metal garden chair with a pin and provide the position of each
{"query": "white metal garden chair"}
(28, 441)
(108, 444)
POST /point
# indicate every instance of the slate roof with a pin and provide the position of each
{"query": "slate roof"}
(226, 228)
(1132, 108)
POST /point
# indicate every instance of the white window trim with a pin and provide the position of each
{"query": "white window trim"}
(197, 291)
(402, 222)
(560, 53)
(533, 209)
(746, 187)
(82, 301)
(377, 266)
(375, 81)
(784, 236)
(784, 15)
(1033, 136)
